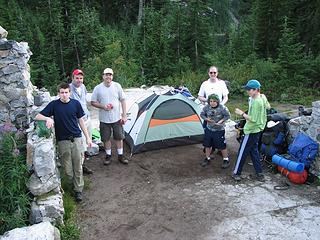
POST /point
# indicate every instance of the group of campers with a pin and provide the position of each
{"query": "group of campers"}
(70, 117)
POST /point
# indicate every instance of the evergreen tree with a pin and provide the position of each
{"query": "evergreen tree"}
(267, 26)
(291, 56)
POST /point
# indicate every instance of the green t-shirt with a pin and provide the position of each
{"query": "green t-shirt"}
(258, 115)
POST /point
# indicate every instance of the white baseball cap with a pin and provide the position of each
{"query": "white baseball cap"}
(108, 70)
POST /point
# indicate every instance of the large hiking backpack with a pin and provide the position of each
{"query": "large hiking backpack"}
(303, 149)
(273, 140)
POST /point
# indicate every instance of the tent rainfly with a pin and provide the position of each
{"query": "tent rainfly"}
(161, 121)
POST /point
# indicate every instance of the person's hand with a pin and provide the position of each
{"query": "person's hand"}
(49, 123)
(238, 111)
(89, 142)
(108, 107)
(123, 118)
(209, 120)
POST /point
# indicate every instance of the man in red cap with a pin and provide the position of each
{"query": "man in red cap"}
(79, 92)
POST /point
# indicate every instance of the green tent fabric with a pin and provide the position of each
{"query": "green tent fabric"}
(96, 134)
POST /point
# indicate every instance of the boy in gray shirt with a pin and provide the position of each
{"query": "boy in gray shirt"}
(215, 115)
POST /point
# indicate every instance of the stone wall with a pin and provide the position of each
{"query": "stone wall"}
(15, 86)
(17, 107)
(44, 182)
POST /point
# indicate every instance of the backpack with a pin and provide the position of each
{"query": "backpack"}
(273, 140)
(303, 149)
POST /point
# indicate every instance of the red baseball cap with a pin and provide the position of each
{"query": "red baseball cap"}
(77, 72)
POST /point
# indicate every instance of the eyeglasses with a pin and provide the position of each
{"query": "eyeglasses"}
(213, 72)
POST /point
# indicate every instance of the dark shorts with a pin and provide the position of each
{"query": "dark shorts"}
(214, 139)
(116, 129)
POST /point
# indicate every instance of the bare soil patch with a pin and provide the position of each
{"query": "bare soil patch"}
(165, 194)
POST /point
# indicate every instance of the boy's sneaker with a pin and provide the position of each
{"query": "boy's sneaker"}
(236, 177)
(78, 196)
(225, 164)
(205, 162)
(108, 160)
(260, 177)
(122, 159)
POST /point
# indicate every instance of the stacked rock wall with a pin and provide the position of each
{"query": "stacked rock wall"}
(16, 106)
(44, 182)
(15, 86)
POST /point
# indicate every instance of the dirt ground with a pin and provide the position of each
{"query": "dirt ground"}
(166, 194)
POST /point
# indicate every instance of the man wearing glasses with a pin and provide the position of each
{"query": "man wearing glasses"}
(213, 85)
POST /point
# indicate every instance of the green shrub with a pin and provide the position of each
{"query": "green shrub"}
(14, 198)
(69, 230)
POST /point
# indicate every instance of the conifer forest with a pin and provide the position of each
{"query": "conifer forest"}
(173, 42)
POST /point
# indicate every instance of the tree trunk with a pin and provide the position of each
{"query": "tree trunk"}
(76, 50)
(196, 52)
(140, 13)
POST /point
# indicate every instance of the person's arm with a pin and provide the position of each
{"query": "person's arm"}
(124, 110)
(202, 99)
(224, 99)
(203, 114)
(268, 106)
(85, 131)
(101, 106)
(201, 94)
(226, 115)
(49, 121)
(242, 113)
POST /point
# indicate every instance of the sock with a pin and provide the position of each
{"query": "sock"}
(108, 151)
(120, 151)
(226, 159)
(208, 158)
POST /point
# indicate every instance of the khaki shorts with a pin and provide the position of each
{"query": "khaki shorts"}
(116, 129)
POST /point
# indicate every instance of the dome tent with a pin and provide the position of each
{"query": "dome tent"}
(163, 120)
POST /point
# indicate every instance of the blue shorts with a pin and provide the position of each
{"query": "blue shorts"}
(214, 139)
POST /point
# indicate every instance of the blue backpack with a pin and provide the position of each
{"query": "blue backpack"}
(303, 149)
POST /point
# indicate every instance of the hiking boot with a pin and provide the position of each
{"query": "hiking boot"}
(225, 164)
(205, 162)
(260, 177)
(78, 196)
(108, 160)
(122, 159)
(236, 177)
(86, 170)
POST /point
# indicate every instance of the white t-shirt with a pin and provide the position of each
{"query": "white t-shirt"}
(106, 95)
(208, 87)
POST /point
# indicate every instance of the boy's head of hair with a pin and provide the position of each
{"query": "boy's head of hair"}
(63, 86)
(213, 97)
(252, 84)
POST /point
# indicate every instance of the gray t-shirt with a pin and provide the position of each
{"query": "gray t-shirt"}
(215, 114)
(80, 95)
(106, 95)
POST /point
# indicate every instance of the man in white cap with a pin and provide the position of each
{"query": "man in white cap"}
(79, 92)
(109, 97)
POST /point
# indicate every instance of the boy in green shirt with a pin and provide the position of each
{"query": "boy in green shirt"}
(255, 123)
